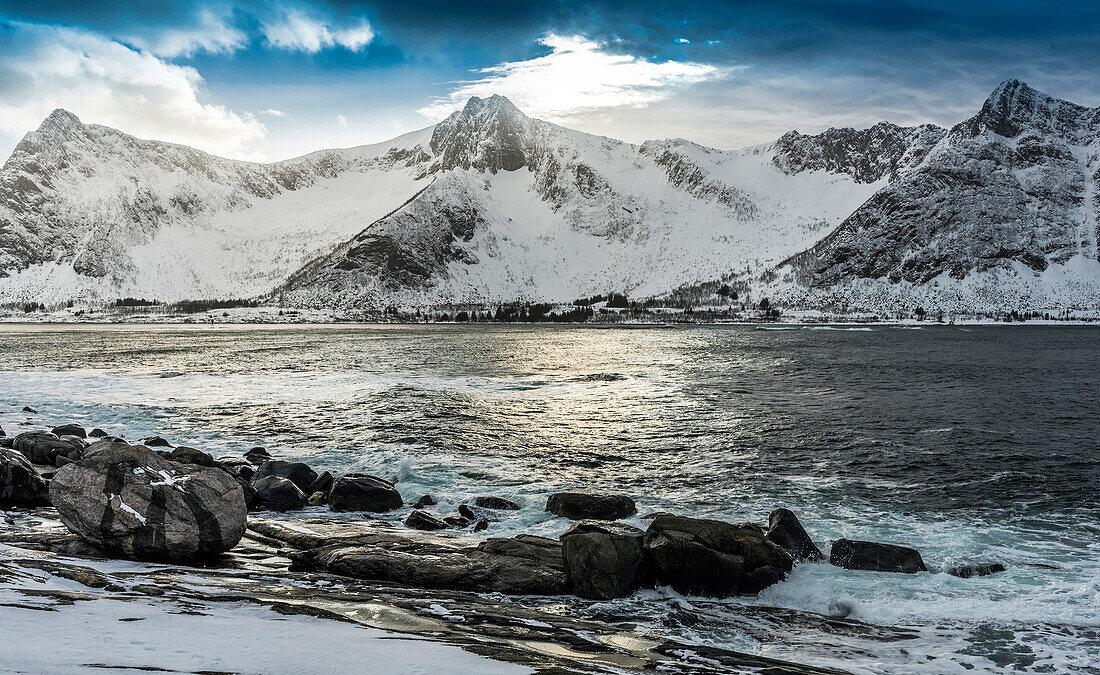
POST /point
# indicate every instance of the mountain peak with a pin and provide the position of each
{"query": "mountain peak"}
(489, 133)
(1014, 107)
(496, 102)
(61, 120)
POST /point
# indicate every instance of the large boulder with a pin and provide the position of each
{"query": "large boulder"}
(130, 501)
(712, 558)
(42, 447)
(20, 484)
(603, 560)
(276, 493)
(359, 492)
(590, 506)
(785, 529)
(296, 472)
(187, 455)
(104, 444)
(70, 430)
(852, 554)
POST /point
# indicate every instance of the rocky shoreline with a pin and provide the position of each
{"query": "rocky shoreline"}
(92, 496)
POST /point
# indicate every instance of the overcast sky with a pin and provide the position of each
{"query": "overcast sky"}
(270, 80)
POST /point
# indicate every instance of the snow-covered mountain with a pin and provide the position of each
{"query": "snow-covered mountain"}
(1001, 214)
(491, 205)
(518, 208)
(90, 213)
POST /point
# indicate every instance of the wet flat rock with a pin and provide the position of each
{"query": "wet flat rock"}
(373, 550)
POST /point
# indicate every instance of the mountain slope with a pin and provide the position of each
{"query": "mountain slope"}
(490, 205)
(87, 212)
(523, 209)
(1008, 199)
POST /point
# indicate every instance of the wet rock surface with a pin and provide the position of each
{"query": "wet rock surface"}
(132, 502)
(712, 558)
(374, 550)
(20, 484)
(590, 506)
(785, 530)
(542, 634)
(296, 472)
(359, 492)
(604, 560)
(975, 570)
(42, 447)
(495, 503)
(872, 556)
(422, 520)
(276, 493)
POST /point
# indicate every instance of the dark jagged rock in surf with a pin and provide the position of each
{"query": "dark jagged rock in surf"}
(466, 512)
(70, 430)
(422, 520)
(590, 506)
(481, 525)
(257, 455)
(712, 558)
(604, 560)
(323, 484)
(785, 529)
(28, 409)
(129, 501)
(296, 472)
(495, 503)
(426, 500)
(358, 492)
(276, 493)
(97, 433)
(872, 556)
(155, 442)
(457, 522)
(975, 570)
(20, 484)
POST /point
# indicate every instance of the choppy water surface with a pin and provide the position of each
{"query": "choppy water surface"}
(970, 443)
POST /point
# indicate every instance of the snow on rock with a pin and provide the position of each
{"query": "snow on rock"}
(491, 205)
(87, 212)
(1005, 197)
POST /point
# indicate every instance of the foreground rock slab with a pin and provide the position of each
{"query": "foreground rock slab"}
(542, 634)
(523, 565)
(604, 560)
(852, 554)
(130, 501)
(712, 558)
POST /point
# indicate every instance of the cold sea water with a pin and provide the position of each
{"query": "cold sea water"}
(970, 443)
